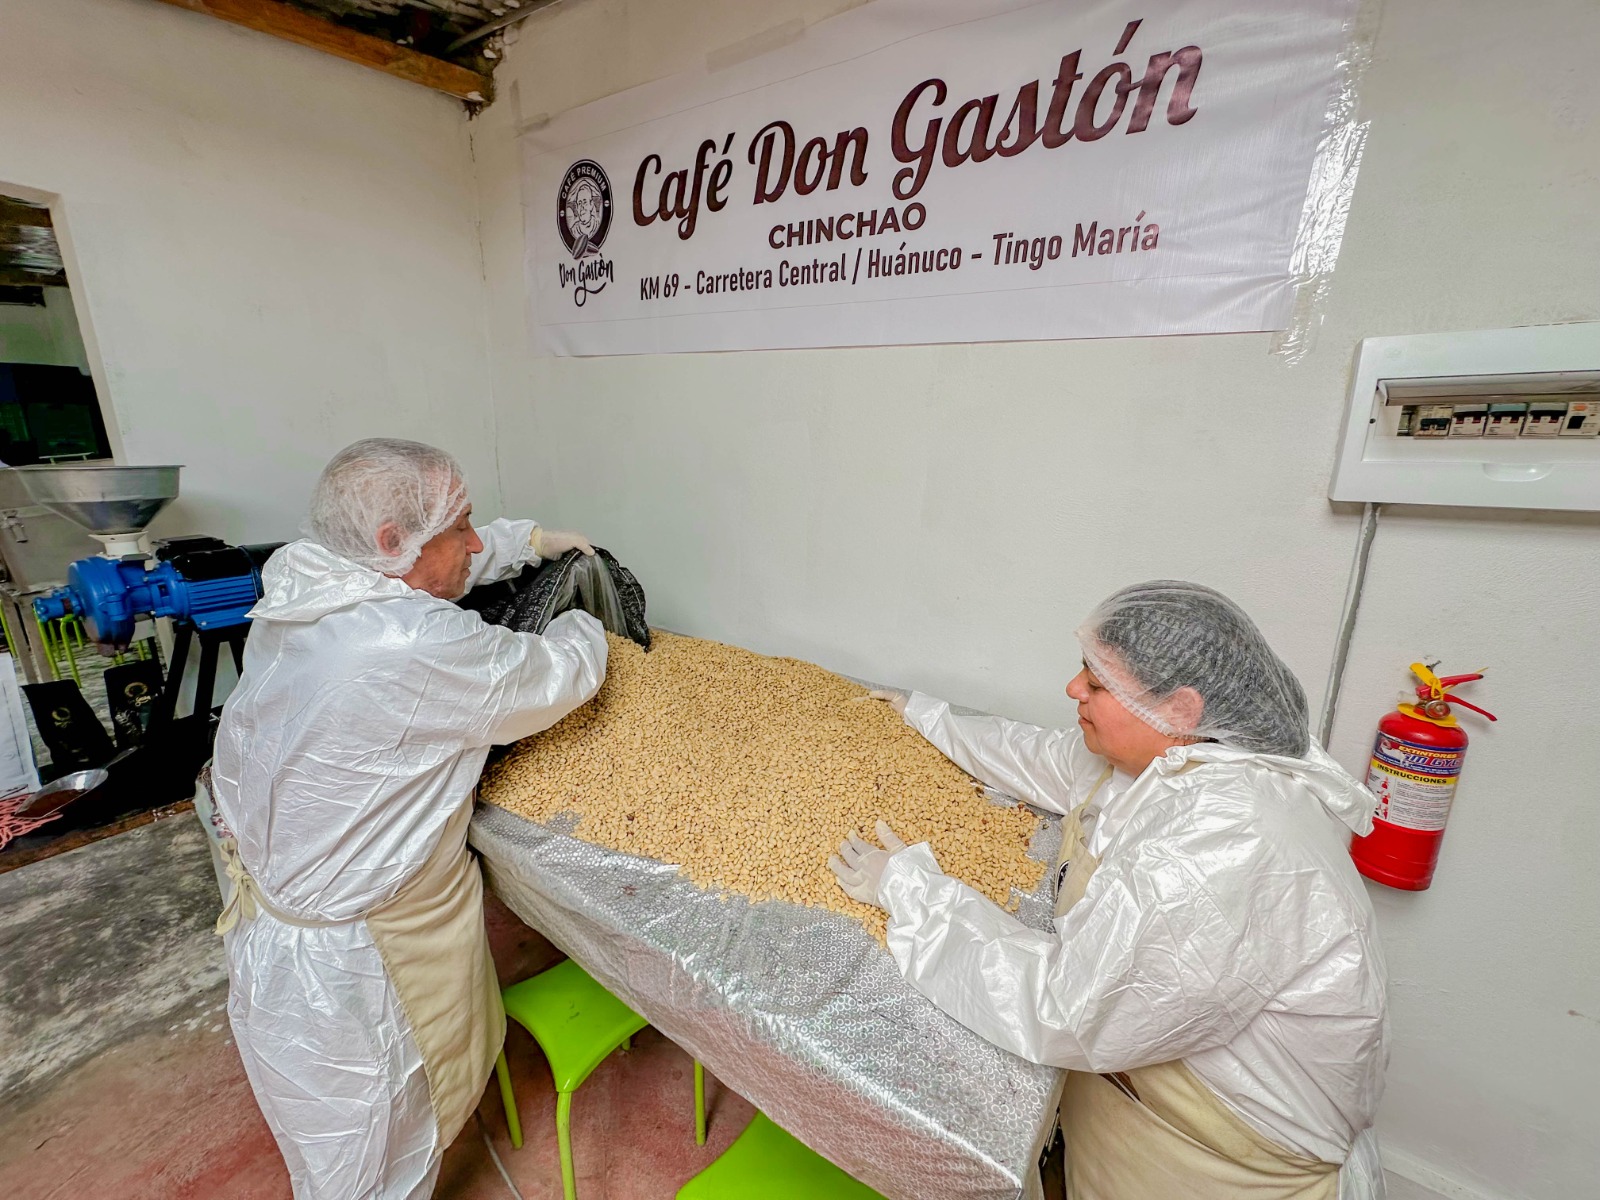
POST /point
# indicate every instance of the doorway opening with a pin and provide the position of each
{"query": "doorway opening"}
(49, 411)
(69, 706)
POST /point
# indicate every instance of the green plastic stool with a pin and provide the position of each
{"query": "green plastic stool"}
(765, 1163)
(577, 1024)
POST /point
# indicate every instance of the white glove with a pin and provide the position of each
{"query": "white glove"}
(547, 543)
(859, 864)
(896, 700)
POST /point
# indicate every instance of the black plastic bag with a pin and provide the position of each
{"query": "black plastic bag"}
(131, 693)
(72, 733)
(599, 585)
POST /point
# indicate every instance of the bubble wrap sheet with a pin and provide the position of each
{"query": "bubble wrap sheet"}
(797, 1009)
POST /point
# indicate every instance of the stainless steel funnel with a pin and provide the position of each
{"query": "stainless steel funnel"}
(112, 503)
(102, 498)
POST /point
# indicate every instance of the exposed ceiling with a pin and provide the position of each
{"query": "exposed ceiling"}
(447, 45)
(430, 26)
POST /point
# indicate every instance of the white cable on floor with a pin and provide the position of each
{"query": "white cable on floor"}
(498, 1165)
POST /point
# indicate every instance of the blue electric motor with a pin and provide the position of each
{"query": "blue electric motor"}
(201, 580)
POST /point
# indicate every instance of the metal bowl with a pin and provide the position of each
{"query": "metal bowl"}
(61, 792)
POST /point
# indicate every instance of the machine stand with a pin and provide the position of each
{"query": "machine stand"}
(211, 641)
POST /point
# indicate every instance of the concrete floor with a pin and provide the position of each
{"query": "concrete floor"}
(103, 944)
(119, 1078)
(171, 1117)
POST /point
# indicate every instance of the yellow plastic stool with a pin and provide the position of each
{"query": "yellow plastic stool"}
(11, 639)
(61, 635)
(48, 644)
(577, 1024)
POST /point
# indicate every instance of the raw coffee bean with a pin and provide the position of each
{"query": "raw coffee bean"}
(747, 772)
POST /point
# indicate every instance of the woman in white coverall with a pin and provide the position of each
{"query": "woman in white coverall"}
(1213, 984)
(361, 991)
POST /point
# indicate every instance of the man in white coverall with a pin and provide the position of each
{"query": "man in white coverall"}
(1213, 984)
(360, 986)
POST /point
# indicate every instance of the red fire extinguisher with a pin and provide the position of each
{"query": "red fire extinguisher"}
(1416, 761)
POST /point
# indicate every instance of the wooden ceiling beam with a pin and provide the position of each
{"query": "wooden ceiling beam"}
(17, 277)
(24, 216)
(291, 24)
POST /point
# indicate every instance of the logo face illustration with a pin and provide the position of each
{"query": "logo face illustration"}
(583, 208)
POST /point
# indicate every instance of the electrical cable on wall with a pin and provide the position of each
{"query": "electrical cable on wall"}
(1347, 619)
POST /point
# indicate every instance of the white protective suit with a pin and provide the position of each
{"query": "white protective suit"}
(1225, 927)
(358, 731)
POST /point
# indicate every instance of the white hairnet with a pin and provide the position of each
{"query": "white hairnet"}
(1146, 641)
(378, 481)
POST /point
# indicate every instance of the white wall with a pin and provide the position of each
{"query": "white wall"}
(274, 252)
(944, 516)
(48, 336)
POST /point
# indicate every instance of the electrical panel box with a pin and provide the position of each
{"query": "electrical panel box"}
(1504, 418)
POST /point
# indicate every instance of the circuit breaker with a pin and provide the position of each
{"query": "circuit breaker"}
(1506, 418)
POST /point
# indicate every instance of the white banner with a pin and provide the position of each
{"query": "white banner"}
(942, 171)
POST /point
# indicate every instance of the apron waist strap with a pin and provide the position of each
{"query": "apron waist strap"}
(245, 901)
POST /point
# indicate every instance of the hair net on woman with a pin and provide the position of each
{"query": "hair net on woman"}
(1147, 641)
(417, 488)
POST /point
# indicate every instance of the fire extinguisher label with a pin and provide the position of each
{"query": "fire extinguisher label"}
(1413, 784)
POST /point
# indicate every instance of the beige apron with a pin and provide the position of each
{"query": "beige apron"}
(435, 949)
(1158, 1133)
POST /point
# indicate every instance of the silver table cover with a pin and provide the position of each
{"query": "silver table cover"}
(797, 1009)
